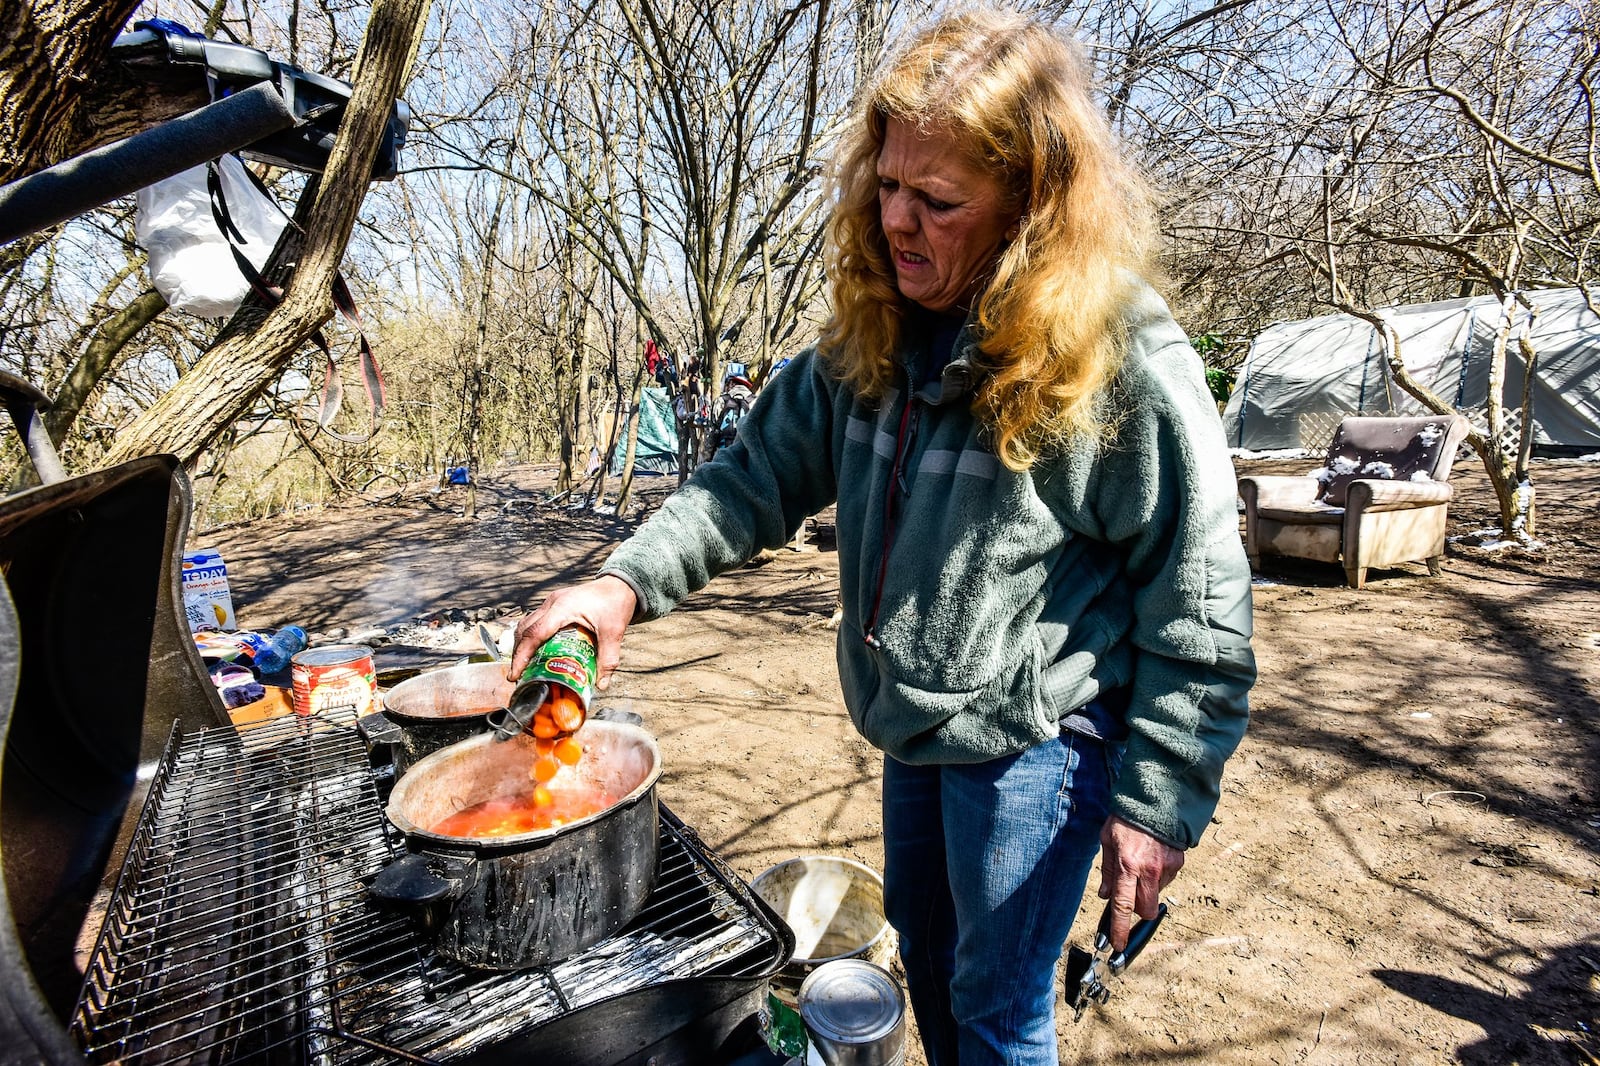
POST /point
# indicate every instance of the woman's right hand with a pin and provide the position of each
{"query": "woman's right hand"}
(603, 606)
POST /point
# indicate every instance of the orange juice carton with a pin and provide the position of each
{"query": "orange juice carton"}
(206, 601)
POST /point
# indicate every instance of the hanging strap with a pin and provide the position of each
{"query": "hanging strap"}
(332, 398)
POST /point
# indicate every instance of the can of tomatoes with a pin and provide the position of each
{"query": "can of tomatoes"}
(337, 678)
(568, 660)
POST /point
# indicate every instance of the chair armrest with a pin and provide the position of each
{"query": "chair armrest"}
(1380, 495)
(1275, 491)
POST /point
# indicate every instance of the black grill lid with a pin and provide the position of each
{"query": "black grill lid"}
(95, 635)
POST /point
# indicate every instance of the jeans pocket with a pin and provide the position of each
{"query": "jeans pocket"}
(1073, 746)
(1088, 777)
(1113, 753)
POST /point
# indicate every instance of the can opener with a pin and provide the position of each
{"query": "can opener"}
(1089, 975)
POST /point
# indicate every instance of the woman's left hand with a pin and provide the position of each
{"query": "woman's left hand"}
(1134, 868)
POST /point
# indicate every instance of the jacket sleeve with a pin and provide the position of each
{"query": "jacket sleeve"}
(753, 495)
(1167, 497)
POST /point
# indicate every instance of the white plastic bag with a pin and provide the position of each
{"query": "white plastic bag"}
(190, 262)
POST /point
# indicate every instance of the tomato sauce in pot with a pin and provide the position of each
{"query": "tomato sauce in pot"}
(527, 812)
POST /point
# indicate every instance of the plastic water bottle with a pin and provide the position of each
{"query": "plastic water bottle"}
(275, 654)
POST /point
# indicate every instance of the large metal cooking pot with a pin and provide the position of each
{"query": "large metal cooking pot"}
(513, 902)
(443, 707)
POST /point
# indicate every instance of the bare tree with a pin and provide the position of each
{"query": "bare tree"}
(1470, 157)
(1357, 155)
(1217, 100)
(678, 146)
(225, 383)
(580, 180)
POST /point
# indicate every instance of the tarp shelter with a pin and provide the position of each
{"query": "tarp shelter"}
(1300, 378)
(658, 436)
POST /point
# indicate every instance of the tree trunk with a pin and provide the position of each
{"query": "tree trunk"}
(50, 54)
(1524, 473)
(625, 485)
(618, 409)
(561, 366)
(98, 357)
(226, 382)
(479, 361)
(60, 93)
(573, 422)
(1499, 463)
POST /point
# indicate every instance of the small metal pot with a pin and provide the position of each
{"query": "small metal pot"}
(514, 902)
(442, 707)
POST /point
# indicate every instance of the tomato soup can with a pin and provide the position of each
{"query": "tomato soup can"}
(339, 677)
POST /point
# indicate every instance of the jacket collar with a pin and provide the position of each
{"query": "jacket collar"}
(960, 375)
(956, 381)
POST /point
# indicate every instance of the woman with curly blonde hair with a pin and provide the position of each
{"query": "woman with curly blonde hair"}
(1051, 309)
(1045, 619)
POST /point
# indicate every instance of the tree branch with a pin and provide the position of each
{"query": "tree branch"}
(226, 382)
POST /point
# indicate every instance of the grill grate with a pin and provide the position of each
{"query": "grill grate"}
(240, 931)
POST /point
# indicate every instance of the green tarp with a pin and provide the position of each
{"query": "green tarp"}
(658, 436)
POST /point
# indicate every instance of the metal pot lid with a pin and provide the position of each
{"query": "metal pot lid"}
(463, 693)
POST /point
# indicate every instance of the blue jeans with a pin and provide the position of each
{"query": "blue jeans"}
(984, 867)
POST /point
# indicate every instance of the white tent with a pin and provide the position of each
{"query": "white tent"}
(1300, 378)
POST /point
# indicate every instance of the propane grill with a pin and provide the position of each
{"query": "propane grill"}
(240, 930)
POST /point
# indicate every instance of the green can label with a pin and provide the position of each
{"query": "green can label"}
(781, 1027)
(566, 659)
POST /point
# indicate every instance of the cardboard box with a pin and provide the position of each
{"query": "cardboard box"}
(277, 702)
(207, 602)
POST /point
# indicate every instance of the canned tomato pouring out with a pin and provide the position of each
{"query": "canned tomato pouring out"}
(553, 695)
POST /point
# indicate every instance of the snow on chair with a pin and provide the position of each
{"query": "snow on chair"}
(1381, 498)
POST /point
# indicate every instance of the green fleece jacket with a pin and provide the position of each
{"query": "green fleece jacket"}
(982, 607)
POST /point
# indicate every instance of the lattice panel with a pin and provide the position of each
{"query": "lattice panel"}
(1510, 428)
(1316, 430)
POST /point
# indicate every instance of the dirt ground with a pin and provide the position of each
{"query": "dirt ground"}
(1406, 862)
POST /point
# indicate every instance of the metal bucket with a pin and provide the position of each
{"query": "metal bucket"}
(835, 907)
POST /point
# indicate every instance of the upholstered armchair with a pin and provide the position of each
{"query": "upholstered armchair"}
(1381, 499)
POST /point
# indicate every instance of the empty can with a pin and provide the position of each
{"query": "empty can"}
(855, 1014)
